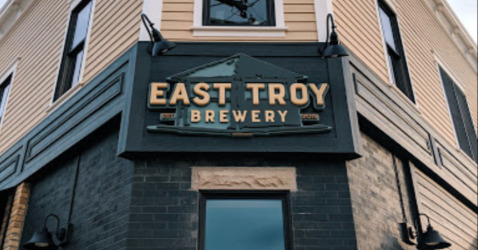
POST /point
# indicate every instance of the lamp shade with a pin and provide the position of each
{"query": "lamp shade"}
(431, 239)
(161, 45)
(41, 240)
(335, 49)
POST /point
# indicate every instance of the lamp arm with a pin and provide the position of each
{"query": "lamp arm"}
(330, 17)
(428, 218)
(418, 227)
(57, 222)
(145, 18)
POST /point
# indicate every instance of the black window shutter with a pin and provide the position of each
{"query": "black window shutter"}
(468, 123)
(461, 116)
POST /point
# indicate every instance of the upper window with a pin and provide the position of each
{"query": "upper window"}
(244, 221)
(395, 52)
(239, 12)
(460, 115)
(4, 90)
(72, 62)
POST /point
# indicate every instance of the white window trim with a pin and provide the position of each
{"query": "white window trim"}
(11, 70)
(385, 50)
(322, 9)
(55, 103)
(199, 30)
(154, 10)
(440, 65)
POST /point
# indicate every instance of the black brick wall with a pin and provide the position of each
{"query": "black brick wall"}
(376, 198)
(164, 212)
(102, 197)
(321, 209)
(147, 204)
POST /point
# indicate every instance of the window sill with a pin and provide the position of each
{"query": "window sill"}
(235, 31)
(461, 152)
(57, 103)
(405, 98)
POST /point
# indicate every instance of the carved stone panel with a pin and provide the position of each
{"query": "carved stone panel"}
(240, 178)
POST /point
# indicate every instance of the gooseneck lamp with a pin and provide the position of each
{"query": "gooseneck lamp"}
(332, 46)
(158, 43)
(43, 239)
(431, 239)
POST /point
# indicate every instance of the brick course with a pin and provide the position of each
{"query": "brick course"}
(164, 211)
(17, 217)
(375, 198)
(101, 199)
(148, 203)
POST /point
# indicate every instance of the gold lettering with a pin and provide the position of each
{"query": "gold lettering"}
(223, 116)
(239, 116)
(256, 88)
(283, 115)
(319, 93)
(180, 94)
(293, 94)
(270, 116)
(222, 87)
(195, 116)
(168, 115)
(157, 91)
(255, 116)
(275, 97)
(201, 90)
(210, 114)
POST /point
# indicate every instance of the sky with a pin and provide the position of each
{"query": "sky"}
(466, 10)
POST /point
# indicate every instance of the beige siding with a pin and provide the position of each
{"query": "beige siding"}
(299, 18)
(455, 222)
(359, 30)
(422, 42)
(37, 38)
(115, 29)
(423, 37)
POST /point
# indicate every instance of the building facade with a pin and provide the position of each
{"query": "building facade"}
(249, 134)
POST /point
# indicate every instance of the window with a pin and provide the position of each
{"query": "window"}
(460, 115)
(4, 90)
(254, 221)
(72, 62)
(239, 18)
(395, 52)
(239, 12)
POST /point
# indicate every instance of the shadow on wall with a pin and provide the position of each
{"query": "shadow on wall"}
(475, 243)
(392, 242)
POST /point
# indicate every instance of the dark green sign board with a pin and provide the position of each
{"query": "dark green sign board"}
(223, 98)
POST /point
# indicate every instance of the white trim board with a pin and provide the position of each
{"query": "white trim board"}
(11, 12)
(322, 10)
(11, 70)
(441, 63)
